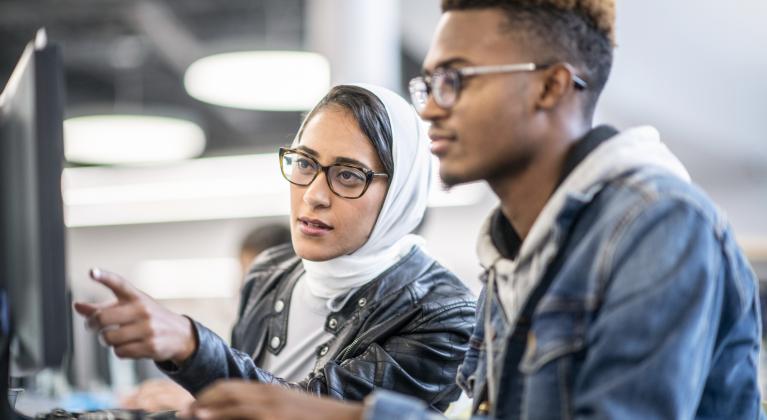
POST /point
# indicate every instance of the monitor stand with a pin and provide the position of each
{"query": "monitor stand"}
(6, 411)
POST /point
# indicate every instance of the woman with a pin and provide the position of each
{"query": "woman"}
(358, 305)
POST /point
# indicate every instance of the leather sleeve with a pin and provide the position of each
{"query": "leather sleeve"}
(213, 360)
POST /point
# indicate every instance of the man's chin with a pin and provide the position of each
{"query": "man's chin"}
(452, 178)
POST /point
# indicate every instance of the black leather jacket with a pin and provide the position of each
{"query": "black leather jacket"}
(406, 331)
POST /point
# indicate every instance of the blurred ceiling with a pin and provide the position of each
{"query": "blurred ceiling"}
(693, 68)
(131, 56)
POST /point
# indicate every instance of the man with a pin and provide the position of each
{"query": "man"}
(614, 288)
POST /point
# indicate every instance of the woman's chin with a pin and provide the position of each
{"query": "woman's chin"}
(311, 253)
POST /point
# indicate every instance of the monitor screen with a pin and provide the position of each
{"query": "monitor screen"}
(32, 253)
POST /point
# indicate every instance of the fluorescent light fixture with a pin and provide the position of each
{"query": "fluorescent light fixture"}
(201, 189)
(131, 139)
(260, 80)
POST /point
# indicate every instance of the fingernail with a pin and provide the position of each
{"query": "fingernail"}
(202, 414)
(95, 273)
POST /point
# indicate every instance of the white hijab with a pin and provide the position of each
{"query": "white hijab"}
(402, 210)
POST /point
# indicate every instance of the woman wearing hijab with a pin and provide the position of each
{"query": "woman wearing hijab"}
(358, 305)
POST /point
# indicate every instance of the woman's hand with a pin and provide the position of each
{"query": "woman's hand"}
(157, 395)
(234, 399)
(137, 326)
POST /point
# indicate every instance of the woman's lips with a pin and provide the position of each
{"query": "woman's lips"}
(313, 227)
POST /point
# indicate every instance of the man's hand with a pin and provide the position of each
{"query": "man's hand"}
(137, 326)
(253, 401)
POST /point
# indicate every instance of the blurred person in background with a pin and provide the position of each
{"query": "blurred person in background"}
(355, 304)
(161, 394)
(259, 240)
(614, 287)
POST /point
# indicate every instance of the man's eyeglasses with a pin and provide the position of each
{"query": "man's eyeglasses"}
(345, 180)
(445, 83)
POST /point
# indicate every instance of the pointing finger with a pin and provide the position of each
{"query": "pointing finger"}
(121, 288)
(89, 309)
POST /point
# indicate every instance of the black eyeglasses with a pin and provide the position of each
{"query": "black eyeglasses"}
(445, 83)
(345, 180)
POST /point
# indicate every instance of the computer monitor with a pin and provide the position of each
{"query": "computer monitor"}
(32, 250)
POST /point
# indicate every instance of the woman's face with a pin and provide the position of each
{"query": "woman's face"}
(324, 225)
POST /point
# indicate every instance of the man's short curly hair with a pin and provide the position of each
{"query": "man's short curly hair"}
(580, 32)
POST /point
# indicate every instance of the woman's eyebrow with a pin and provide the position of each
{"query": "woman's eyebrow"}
(340, 159)
(307, 150)
(350, 161)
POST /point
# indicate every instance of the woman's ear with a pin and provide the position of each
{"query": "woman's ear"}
(557, 84)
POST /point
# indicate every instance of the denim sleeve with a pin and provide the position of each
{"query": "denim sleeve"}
(387, 405)
(651, 344)
(469, 378)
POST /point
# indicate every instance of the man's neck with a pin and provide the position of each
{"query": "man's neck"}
(524, 195)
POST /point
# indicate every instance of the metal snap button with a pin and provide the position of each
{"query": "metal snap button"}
(361, 303)
(324, 350)
(279, 306)
(333, 323)
(275, 342)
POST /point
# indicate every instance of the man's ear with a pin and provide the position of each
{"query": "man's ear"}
(557, 84)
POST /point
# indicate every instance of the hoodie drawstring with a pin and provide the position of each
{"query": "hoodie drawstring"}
(490, 334)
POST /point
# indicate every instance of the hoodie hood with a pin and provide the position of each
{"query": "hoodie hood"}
(633, 149)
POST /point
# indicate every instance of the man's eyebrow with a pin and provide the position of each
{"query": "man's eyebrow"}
(450, 62)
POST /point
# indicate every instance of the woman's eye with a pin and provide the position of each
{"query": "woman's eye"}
(351, 176)
(304, 163)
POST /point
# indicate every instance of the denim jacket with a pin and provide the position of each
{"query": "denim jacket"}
(649, 309)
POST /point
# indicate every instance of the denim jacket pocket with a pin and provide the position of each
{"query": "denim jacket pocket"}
(553, 335)
(552, 358)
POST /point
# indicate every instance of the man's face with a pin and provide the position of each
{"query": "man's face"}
(486, 134)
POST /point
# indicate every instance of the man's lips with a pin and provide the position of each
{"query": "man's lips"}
(440, 135)
(440, 141)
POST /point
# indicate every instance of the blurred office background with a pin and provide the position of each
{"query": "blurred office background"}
(170, 145)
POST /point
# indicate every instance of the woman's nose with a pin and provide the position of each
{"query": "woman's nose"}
(317, 194)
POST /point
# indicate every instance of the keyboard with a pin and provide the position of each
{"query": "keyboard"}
(115, 414)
